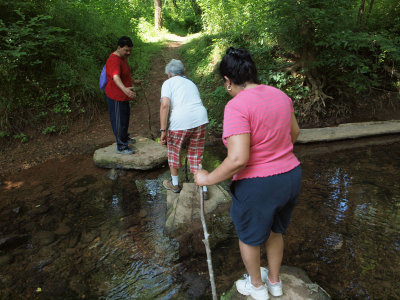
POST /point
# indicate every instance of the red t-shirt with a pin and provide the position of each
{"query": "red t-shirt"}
(115, 65)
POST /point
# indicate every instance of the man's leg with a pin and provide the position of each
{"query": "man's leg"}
(251, 259)
(274, 247)
(122, 112)
(113, 118)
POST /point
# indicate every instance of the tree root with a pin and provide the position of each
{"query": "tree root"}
(314, 106)
(293, 69)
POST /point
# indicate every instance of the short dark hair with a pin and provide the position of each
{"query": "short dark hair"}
(125, 41)
(238, 66)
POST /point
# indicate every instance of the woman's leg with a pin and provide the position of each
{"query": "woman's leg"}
(174, 171)
(251, 260)
(195, 147)
(175, 141)
(274, 247)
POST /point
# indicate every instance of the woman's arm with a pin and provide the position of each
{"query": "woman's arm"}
(164, 111)
(238, 156)
(295, 129)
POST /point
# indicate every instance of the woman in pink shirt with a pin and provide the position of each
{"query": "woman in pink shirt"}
(259, 131)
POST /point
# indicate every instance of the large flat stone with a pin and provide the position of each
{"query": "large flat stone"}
(148, 155)
(183, 220)
(348, 131)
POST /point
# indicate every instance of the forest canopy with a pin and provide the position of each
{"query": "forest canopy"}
(327, 55)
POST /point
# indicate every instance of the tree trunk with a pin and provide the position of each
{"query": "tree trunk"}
(196, 7)
(369, 12)
(361, 12)
(158, 20)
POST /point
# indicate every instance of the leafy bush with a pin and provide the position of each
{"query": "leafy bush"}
(202, 71)
(182, 19)
(319, 53)
(52, 54)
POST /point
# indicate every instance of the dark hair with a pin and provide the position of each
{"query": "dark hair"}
(238, 66)
(125, 41)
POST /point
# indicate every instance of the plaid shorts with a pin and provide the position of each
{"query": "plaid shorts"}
(194, 139)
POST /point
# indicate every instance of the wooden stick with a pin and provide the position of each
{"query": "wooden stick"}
(149, 114)
(205, 241)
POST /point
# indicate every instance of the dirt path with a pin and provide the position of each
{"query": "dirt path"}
(83, 138)
(148, 104)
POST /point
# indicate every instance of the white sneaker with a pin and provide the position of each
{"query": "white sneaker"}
(274, 288)
(245, 287)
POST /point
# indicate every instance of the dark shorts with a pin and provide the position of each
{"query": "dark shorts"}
(262, 204)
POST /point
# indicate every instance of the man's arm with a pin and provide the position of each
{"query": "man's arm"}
(127, 90)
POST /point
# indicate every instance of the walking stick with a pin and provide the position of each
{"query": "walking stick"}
(149, 113)
(186, 169)
(205, 241)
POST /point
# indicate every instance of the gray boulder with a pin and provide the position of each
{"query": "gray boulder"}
(296, 285)
(148, 155)
(183, 218)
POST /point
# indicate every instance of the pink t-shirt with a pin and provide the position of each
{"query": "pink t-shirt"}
(265, 112)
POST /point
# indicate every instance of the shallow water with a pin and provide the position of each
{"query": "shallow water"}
(346, 229)
(73, 233)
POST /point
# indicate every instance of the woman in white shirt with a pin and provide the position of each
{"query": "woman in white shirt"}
(183, 121)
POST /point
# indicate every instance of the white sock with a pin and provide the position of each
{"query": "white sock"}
(205, 189)
(175, 180)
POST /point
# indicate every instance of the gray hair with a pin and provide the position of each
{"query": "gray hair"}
(175, 67)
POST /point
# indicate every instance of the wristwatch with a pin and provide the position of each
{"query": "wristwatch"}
(163, 130)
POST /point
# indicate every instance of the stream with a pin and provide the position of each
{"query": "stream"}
(67, 231)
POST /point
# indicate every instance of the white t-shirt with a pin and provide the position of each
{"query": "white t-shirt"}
(186, 109)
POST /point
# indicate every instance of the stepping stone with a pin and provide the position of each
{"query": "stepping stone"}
(148, 155)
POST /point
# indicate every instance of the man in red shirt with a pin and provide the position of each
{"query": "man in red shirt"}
(119, 91)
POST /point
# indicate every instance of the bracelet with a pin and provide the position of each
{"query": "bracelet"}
(163, 130)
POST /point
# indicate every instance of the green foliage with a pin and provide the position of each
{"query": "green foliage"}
(52, 53)
(23, 42)
(64, 128)
(202, 72)
(21, 137)
(316, 51)
(182, 19)
(4, 133)
(49, 130)
(62, 105)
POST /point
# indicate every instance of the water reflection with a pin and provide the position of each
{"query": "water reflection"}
(114, 202)
(77, 235)
(152, 262)
(353, 201)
